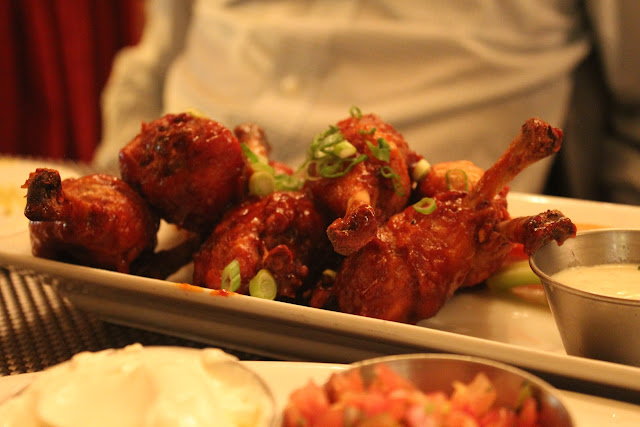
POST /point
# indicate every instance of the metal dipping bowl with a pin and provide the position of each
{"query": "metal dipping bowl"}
(437, 372)
(591, 325)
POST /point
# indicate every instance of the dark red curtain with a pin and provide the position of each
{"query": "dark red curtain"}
(55, 59)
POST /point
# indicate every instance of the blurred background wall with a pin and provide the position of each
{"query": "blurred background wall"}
(55, 57)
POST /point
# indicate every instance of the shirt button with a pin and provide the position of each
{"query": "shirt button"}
(290, 85)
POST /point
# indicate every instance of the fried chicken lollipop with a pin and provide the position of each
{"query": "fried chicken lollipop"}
(422, 255)
(360, 169)
(189, 168)
(270, 247)
(95, 220)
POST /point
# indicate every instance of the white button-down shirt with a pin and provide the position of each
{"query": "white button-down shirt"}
(456, 77)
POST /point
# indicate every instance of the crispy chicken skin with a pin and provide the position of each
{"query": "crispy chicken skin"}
(460, 175)
(363, 198)
(95, 220)
(281, 232)
(417, 261)
(189, 168)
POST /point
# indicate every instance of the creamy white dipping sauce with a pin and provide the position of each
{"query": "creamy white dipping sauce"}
(614, 280)
(143, 386)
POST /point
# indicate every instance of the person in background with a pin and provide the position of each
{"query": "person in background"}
(456, 78)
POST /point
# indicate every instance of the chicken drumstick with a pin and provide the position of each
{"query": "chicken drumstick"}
(95, 220)
(421, 256)
(189, 168)
(281, 233)
(363, 184)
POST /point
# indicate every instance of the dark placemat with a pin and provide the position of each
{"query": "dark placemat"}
(38, 328)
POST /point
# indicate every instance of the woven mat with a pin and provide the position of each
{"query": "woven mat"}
(39, 329)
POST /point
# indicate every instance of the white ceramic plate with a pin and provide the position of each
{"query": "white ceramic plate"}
(474, 323)
(284, 377)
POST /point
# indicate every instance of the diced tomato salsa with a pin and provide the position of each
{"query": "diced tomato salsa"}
(392, 400)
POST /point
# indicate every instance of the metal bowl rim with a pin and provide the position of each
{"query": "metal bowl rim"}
(463, 358)
(547, 281)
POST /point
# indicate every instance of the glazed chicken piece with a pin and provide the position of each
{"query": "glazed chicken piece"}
(95, 220)
(363, 187)
(281, 233)
(189, 168)
(419, 259)
(463, 175)
(460, 175)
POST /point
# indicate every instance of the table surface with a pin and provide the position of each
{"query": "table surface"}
(39, 329)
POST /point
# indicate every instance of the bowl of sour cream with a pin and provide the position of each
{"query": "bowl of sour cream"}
(592, 283)
(144, 386)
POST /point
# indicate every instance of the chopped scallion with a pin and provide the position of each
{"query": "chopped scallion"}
(231, 276)
(453, 176)
(344, 149)
(420, 170)
(263, 285)
(382, 151)
(262, 183)
(355, 112)
(425, 206)
(388, 172)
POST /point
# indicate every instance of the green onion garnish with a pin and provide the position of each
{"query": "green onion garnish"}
(263, 285)
(420, 170)
(382, 151)
(389, 173)
(425, 206)
(451, 175)
(355, 112)
(330, 155)
(262, 183)
(264, 180)
(231, 276)
(367, 132)
(344, 149)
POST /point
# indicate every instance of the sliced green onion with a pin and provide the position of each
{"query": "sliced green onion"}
(262, 167)
(332, 139)
(420, 170)
(425, 206)
(334, 167)
(263, 285)
(196, 113)
(382, 151)
(288, 182)
(249, 154)
(389, 173)
(262, 183)
(512, 275)
(344, 149)
(231, 276)
(355, 112)
(367, 132)
(256, 161)
(452, 173)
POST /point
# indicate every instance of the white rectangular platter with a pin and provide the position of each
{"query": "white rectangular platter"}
(475, 323)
